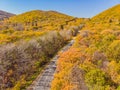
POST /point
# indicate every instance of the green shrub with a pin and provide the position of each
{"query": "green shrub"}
(114, 50)
(95, 78)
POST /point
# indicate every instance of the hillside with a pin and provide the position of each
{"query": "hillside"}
(93, 62)
(28, 42)
(110, 15)
(34, 23)
(4, 14)
(39, 20)
(108, 19)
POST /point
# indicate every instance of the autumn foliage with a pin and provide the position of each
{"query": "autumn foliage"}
(94, 58)
(97, 66)
(20, 63)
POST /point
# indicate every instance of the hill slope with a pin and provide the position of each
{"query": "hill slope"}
(109, 16)
(33, 23)
(93, 62)
(37, 19)
(4, 14)
(108, 19)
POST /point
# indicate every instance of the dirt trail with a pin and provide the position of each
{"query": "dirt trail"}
(44, 80)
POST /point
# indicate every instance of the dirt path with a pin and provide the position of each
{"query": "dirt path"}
(44, 80)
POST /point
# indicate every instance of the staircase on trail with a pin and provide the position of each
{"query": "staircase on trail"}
(43, 82)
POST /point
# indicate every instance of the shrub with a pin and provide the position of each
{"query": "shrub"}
(28, 57)
(114, 71)
(95, 78)
(62, 79)
(114, 50)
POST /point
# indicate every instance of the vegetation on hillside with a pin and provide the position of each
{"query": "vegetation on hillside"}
(93, 62)
(38, 20)
(36, 23)
(25, 47)
(109, 19)
(21, 63)
(12, 36)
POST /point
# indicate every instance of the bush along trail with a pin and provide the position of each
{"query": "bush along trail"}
(43, 82)
(21, 63)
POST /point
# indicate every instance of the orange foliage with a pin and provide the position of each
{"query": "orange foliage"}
(65, 63)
